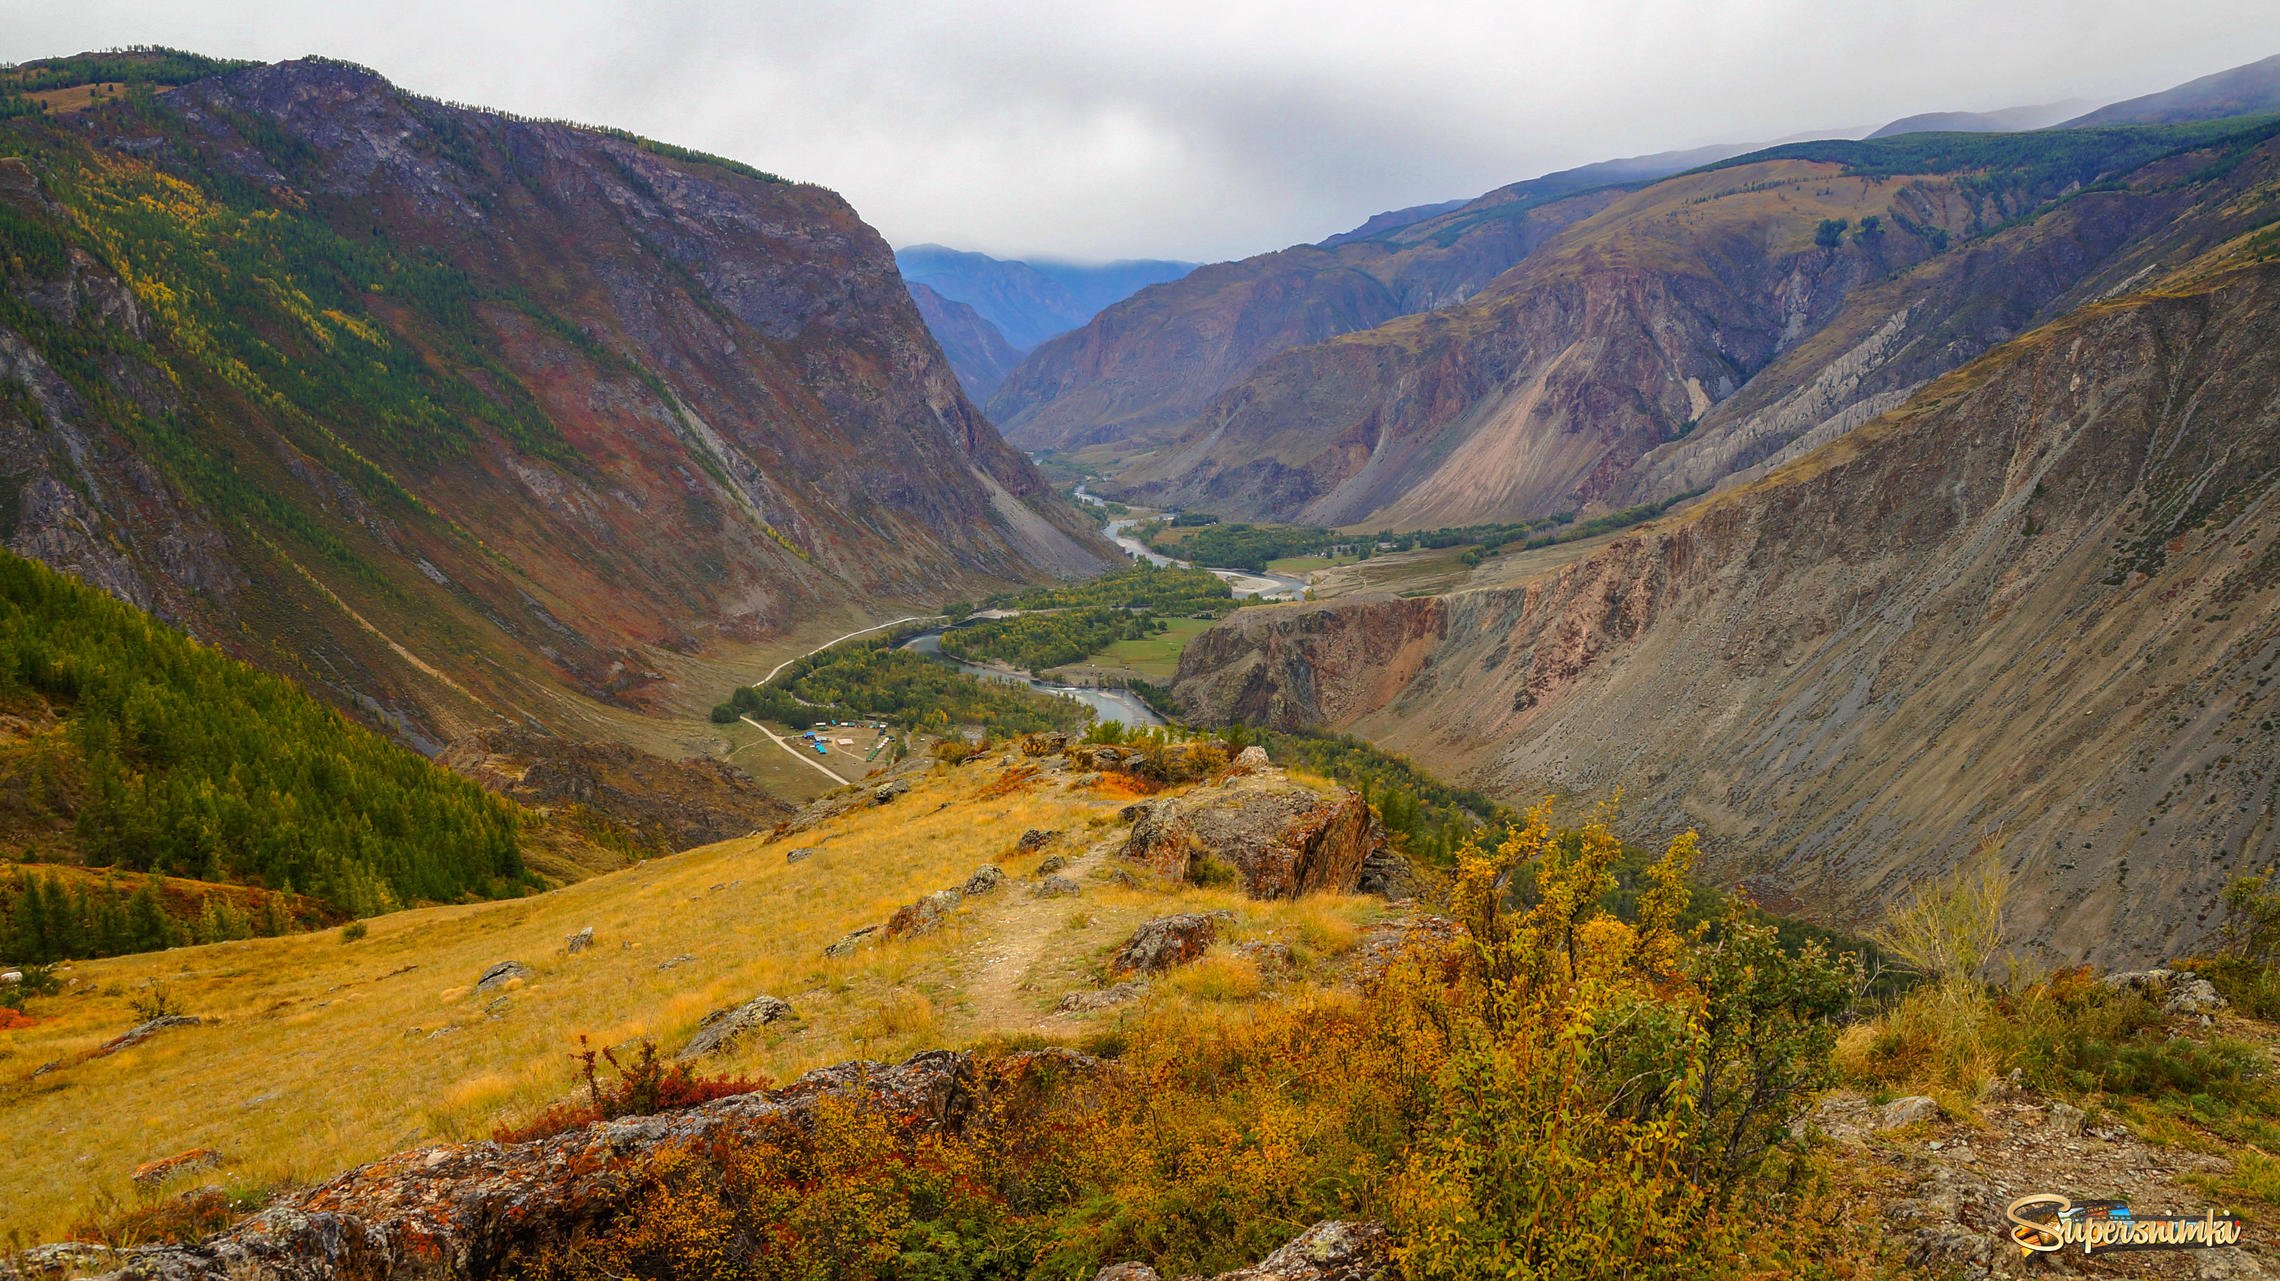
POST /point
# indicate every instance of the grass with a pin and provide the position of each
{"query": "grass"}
(1155, 658)
(320, 1055)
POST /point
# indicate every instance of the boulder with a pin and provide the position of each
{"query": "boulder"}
(804, 851)
(1285, 839)
(1428, 936)
(925, 916)
(1907, 1111)
(985, 880)
(675, 962)
(1386, 872)
(723, 1028)
(579, 942)
(153, 1173)
(1055, 887)
(1044, 743)
(1127, 1272)
(1053, 863)
(886, 792)
(853, 940)
(500, 975)
(2179, 991)
(1036, 838)
(1331, 1251)
(1165, 942)
(142, 1032)
(2065, 1118)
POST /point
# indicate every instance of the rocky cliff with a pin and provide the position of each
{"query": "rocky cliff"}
(1706, 324)
(977, 352)
(462, 418)
(2032, 611)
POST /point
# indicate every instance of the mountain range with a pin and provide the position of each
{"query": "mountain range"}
(1015, 304)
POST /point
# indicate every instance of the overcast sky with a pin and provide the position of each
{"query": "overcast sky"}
(1198, 129)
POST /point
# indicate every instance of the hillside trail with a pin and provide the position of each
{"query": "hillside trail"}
(1011, 963)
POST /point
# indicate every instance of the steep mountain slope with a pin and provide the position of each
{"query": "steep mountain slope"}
(977, 352)
(1030, 302)
(2036, 610)
(1147, 366)
(463, 419)
(1632, 330)
(2244, 90)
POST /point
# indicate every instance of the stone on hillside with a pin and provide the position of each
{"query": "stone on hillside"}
(1036, 838)
(152, 1173)
(723, 1028)
(2179, 991)
(1330, 1251)
(1044, 743)
(1271, 958)
(1087, 1002)
(1907, 1111)
(675, 962)
(1127, 1272)
(500, 975)
(142, 1032)
(580, 941)
(1053, 863)
(1250, 760)
(853, 940)
(886, 792)
(985, 880)
(923, 917)
(1055, 887)
(1386, 872)
(1285, 839)
(1165, 942)
(804, 851)
(2065, 1118)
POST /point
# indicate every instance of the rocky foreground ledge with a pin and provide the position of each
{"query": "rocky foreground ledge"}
(458, 1211)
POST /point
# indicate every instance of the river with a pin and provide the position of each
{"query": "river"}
(1121, 706)
(1243, 581)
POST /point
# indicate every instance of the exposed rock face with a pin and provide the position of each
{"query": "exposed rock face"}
(1164, 943)
(2031, 608)
(1285, 839)
(2179, 991)
(1330, 1251)
(977, 352)
(453, 1212)
(630, 405)
(723, 1028)
(665, 805)
(500, 975)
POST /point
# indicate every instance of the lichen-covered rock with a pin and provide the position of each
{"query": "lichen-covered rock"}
(1036, 838)
(500, 975)
(1250, 760)
(2179, 991)
(1165, 942)
(796, 855)
(1329, 1251)
(850, 941)
(1907, 1111)
(153, 1173)
(1284, 838)
(923, 917)
(451, 1213)
(985, 880)
(579, 942)
(1053, 863)
(1055, 887)
(142, 1032)
(723, 1028)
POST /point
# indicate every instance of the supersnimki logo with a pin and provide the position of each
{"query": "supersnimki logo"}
(2045, 1223)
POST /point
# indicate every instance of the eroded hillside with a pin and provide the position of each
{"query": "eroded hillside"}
(2034, 611)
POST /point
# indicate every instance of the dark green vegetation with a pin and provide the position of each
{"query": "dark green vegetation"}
(1236, 545)
(873, 679)
(45, 917)
(1035, 642)
(144, 65)
(161, 755)
(1251, 547)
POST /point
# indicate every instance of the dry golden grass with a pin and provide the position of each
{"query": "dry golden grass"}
(322, 1054)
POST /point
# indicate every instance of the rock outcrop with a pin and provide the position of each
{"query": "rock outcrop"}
(722, 1029)
(1165, 942)
(1329, 1251)
(1284, 839)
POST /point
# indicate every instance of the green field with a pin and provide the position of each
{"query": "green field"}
(1305, 564)
(1153, 658)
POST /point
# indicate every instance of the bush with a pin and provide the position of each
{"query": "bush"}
(642, 1088)
(353, 931)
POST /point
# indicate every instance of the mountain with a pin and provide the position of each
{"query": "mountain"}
(1703, 324)
(977, 352)
(1030, 302)
(2245, 90)
(464, 420)
(2008, 120)
(2031, 609)
(1148, 365)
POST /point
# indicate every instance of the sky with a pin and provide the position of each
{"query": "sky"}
(1197, 129)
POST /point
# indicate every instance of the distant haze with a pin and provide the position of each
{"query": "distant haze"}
(1200, 131)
